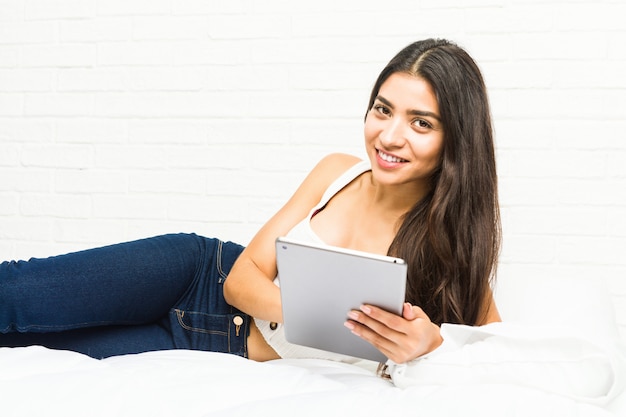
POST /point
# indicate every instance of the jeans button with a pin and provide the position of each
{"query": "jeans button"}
(238, 321)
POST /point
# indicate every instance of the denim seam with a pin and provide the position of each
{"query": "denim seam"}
(181, 313)
(223, 276)
(75, 326)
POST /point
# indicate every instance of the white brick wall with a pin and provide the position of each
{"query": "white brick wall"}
(127, 118)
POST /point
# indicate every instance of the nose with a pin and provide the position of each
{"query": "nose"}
(393, 134)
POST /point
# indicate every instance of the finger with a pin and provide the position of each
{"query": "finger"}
(377, 318)
(366, 326)
(399, 338)
(399, 350)
(382, 343)
(374, 331)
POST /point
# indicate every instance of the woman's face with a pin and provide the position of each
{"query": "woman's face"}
(403, 131)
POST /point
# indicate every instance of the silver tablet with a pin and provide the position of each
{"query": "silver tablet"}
(319, 285)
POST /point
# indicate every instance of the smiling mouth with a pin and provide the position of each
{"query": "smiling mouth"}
(389, 158)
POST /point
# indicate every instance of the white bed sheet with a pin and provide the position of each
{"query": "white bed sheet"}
(512, 369)
(36, 381)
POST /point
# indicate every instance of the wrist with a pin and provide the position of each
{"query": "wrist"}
(437, 339)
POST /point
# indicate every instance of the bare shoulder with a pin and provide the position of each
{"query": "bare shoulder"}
(327, 170)
(332, 166)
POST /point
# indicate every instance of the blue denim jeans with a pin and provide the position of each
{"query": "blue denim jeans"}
(158, 293)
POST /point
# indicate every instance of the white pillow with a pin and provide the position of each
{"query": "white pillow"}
(558, 335)
(547, 358)
(572, 302)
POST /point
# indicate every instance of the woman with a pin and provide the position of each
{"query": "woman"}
(427, 194)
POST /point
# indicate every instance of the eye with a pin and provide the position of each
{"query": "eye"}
(422, 124)
(381, 109)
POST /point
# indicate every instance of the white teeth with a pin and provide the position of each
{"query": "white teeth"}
(389, 158)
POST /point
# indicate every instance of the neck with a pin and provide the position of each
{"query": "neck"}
(396, 200)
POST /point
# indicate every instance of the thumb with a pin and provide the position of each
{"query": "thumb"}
(411, 312)
(408, 312)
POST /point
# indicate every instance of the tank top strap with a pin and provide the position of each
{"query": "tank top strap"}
(343, 180)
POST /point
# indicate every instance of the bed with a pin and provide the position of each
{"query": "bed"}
(550, 357)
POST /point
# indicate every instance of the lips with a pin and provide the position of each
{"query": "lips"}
(389, 158)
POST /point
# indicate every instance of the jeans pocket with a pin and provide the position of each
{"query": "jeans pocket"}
(196, 330)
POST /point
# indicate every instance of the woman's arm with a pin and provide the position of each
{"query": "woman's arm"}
(250, 286)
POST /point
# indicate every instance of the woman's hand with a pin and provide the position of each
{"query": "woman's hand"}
(400, 338)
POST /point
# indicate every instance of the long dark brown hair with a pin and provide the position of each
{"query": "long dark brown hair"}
(451, 238)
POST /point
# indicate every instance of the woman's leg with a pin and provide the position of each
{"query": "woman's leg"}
(86, 300)
(97, 342)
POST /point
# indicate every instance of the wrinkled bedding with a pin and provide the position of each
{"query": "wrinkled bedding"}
(550, 357)
(500, 371)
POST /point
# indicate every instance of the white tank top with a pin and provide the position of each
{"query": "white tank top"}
(274, 333)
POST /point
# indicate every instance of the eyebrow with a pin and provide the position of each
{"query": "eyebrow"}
(411, 112)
